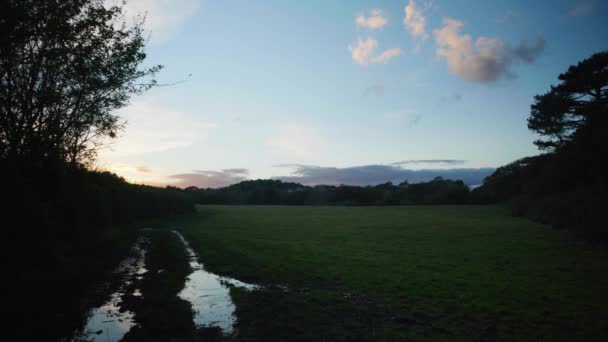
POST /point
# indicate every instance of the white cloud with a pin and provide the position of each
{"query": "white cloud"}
(152, 128)
(486, 59)
(363, 52)
(164, 18)
(387, 55)
(374, 21)
(415, 21)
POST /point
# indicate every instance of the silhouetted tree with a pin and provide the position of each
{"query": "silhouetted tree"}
(567, 186)
(575, 109)
(65, 66)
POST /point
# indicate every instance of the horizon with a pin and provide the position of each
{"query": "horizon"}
(359, 176)
(287, 90)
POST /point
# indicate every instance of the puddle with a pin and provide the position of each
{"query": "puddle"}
(209, 294)
(107, 322)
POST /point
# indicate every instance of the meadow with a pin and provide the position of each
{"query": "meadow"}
(422, 272)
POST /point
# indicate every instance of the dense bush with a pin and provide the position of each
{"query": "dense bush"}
(66, 201)
(66, 226)
(561, 189)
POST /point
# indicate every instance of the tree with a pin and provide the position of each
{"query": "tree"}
(574, 111)
(65, 67)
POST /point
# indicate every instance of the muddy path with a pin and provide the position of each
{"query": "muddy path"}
(209, 294)
(110, 321)
(164, 292)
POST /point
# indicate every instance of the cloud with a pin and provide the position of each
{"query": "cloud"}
(209, 178)
(296, 140)
(378, 174)
(486, 60)
(387, 55)
(528, 52)
(582, 8)
(374, 21)
(198, 178)
(153, 128)
(164, 18)
(136, 174)
(237, 171)
(414, 21)
(431, 161)
(292, 166)
(375, 89)
(363, 52)
(309, 174)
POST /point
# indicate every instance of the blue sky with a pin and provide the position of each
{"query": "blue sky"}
(280, 88)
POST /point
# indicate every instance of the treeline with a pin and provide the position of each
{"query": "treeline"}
(437, 191)
(65, 202)
(64, 228)
(560, 189)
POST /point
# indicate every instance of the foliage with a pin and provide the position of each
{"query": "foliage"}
(508, 181)
(64, 67)
(575, 110)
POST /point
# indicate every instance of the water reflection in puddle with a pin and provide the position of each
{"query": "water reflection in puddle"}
(210, 294)
(108, 322)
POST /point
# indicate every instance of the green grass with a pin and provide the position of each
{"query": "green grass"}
(436, 272)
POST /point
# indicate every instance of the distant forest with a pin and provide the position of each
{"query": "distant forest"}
(437, 191)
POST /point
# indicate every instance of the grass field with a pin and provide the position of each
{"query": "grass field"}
(428, 272)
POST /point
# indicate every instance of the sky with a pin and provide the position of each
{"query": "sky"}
(353, 92)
